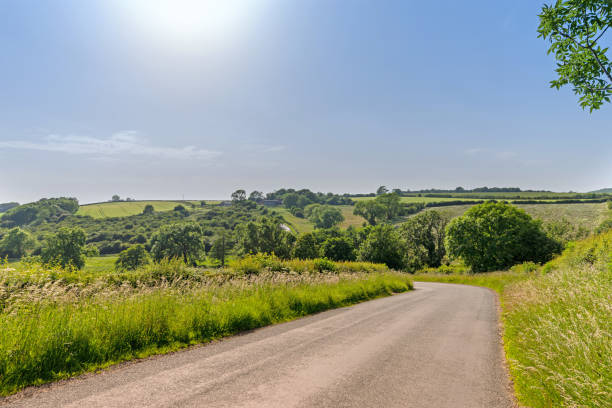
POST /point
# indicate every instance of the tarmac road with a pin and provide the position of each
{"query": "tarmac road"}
(437, 346)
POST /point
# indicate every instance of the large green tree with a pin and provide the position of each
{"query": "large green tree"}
(305, 247)
(383, 245)
(266, 236)
(338, 249)
(495, 235)
(424, 236)
(181, 241)
(371, 210)
(576, 30)
(324, 216)
(66, 248)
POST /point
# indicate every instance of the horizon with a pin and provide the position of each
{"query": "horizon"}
(165, 99)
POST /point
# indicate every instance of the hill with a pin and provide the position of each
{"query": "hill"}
(127, 208)
(603, 190)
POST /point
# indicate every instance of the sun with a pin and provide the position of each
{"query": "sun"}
(188, 23)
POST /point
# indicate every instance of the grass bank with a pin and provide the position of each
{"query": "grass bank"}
(54, 330)
(557, 325)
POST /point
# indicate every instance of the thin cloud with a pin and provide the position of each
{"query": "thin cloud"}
(498, 154)
(122, 143)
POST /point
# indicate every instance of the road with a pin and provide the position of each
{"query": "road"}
(437, 346)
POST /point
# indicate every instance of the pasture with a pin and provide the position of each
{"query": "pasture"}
(127, 208)
(586, 215)
(302, 225)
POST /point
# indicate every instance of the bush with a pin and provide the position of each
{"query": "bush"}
(132, 258)
(495, 236)
(323, 265)
(525, 267)
(604, 226)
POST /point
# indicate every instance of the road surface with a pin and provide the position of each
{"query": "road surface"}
(437, 346)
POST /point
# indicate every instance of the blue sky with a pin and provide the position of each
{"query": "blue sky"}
(160, 99)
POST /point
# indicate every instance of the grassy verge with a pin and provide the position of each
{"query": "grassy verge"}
(557, 325)
(51, 329)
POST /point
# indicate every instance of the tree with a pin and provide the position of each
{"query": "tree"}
(182, 210)
(219, 249)
(238, 196)
(495, 236)
(424, 236)
(338, 249)
(256, 196)
(149, 209)
(391, 204)
(575, 29)
(371, 210)
(265, 236)
(305, 247)
(116, 198)
(15, 243)
(324, 216)
(66, 248)
(132, 258)
(383, 245)
(382, 190)
(291, 200)
(181, 241)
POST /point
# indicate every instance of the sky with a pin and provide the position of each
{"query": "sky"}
(165, 99)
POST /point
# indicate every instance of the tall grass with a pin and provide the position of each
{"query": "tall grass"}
(558, 330)
(557, 325)
(53, 329)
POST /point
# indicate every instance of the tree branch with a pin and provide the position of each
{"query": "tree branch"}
(588, 47)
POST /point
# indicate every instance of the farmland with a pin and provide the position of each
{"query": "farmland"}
(127, 208)
(586, 215)
(301, 225)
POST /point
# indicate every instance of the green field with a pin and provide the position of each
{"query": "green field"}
(411, 200)
(587, 215)
(127, 208)
(301, 225)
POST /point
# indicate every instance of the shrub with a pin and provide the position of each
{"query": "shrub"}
(604, 226)
(66, 248)
(132, 258)
(525, 267)
(148, 209)
(496, 235)
(323, 265)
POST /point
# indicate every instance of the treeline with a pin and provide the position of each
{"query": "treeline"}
(4, 207)
(484, 192)
(44, 210)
